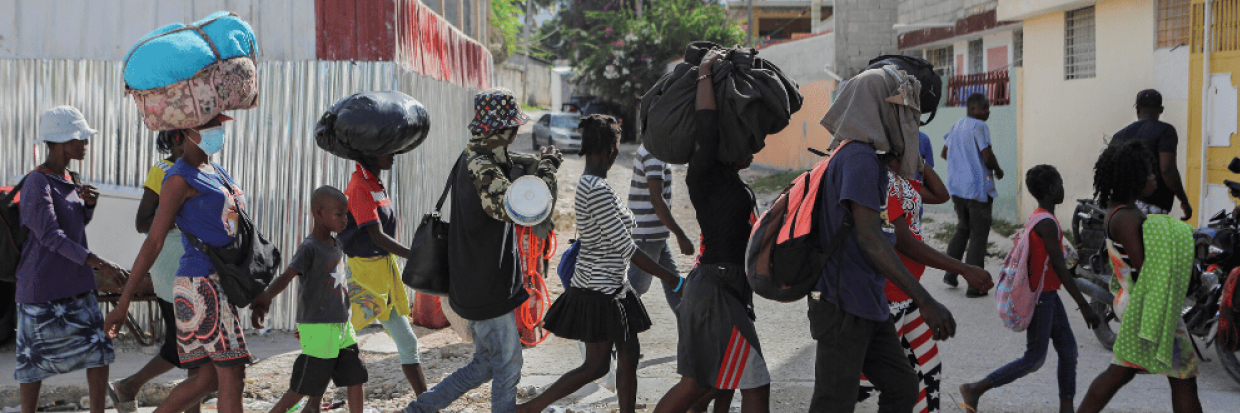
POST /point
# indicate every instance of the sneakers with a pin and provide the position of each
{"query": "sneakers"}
(950, 280)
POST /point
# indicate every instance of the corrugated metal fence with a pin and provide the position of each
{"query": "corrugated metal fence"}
(270, 150)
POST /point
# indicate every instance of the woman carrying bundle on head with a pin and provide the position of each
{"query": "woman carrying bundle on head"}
(600, 308)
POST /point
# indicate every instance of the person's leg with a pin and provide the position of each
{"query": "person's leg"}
(842, 341)
(1104, 388)
(231, 386)
(356, 396)
(506, 363)
(97, 385)
(667, 259)
(1184, 397)
(191, 391)
(1065, 346)
(628, 353)
(30, 396)
(464, 379)
(286, 402)
(756, 400)
(127, 388)
(979, 236)
(960, 240)
(1037, 338)
(401, 331)
(681, 396)
(594, 367)
(721, 398)
(888, 369)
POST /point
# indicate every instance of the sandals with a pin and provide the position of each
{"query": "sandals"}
(121, 407)
(965, 407)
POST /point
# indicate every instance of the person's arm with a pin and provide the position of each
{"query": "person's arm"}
(943, 153)
(146, 211)
(933, 191)
(262, 303)
(645, 263)
(385, 241)
(664, 213)
(869, 235)
(705, 155)
(1171, 177)
(173, 196)
(1049, 233)
(988, 156)
(492, 185)
(914, 248)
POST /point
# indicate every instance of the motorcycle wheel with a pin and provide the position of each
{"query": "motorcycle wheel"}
(1105, 331)
(1229, 361)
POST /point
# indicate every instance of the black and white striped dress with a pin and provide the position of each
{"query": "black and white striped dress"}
(599, 306)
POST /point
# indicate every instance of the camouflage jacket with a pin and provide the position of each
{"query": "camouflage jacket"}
(489, 165)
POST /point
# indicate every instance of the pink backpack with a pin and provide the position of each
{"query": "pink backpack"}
(1016, 302)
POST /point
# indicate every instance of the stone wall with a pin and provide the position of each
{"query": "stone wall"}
(511, 75)
(863, 31)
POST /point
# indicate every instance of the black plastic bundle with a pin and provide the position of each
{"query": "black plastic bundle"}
(372, 124)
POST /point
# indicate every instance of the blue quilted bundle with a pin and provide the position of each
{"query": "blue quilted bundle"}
(175, 57)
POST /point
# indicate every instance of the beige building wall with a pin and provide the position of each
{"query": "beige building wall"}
(1066, 123)
(787, 149)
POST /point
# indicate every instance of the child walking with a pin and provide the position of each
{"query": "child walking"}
(1050, 320)
(328, 342)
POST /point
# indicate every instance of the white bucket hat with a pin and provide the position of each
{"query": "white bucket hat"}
(62, 124)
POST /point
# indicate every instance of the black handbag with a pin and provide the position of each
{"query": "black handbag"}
(246, 265)
(427, 268)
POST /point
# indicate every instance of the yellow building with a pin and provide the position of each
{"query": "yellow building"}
(1218, 109)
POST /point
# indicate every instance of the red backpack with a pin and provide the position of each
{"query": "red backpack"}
(785, 257)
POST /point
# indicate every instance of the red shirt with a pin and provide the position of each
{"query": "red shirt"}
(904, 200)
(1038, 262)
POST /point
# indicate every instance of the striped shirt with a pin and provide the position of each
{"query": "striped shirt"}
(605, 228)
(646, 167)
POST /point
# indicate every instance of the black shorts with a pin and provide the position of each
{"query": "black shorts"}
(168, 351)
(311, 374)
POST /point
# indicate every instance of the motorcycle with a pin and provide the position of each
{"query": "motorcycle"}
(1216, 257)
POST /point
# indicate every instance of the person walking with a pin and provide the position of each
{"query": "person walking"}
(848, 313)
(971, 171)
(203, 201)
(1049, 324)
(1161, 140)
(377, 292)
(650, 199)
(163, 274)
(600, 308)
(1152, 260)
(59, 326)
(716, 321)
(486, 283)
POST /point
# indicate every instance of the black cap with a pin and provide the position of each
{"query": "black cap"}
(1149, 98)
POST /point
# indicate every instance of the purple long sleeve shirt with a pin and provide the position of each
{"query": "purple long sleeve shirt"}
(53, 261)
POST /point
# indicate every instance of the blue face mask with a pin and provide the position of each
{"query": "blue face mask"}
(212, 140)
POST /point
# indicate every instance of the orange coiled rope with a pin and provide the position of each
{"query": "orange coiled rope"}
(534, 249)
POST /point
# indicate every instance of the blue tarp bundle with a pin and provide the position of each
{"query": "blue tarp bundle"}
(175, 57)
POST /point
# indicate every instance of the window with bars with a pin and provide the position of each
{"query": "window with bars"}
(1078, 44)
(1173, 23)
(976, 64)
(1018, 48)
(941, 58)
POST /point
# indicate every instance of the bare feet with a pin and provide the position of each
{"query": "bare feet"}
(123, 392)
(971, 395)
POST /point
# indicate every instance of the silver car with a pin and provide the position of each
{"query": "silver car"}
(558, 129)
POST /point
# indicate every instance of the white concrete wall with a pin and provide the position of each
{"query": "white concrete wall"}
(106, 29)
(996, 40)
(1066, 123)
(1024, 9)
(803, 60)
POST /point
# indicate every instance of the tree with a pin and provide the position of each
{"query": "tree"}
(506, 29)
(622, 55)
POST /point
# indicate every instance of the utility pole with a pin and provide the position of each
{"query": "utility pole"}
(525, 73)
(749, 33)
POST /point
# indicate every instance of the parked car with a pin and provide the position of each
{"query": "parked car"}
(558, 129)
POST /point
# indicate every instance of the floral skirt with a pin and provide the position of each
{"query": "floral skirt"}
(60, 336)
(208, 328)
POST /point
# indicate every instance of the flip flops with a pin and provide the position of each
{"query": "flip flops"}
(965, 407)
(121, 407)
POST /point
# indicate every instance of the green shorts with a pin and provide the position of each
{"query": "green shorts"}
(324, 340)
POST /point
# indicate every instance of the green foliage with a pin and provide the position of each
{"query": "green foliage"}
(621, 55)
(506, 24)
(1004, 228)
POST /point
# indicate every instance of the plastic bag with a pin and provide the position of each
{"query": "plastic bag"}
(372, 124)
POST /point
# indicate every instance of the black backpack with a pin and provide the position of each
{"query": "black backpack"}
(12, 234)
(931, 83)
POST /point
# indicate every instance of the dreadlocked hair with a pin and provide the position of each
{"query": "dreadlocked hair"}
(598, 133)
(1041, 180)
(1121, 172)
(167, 139)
